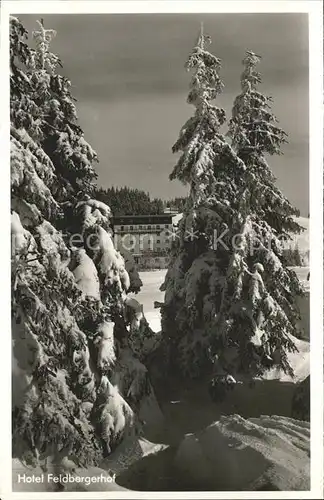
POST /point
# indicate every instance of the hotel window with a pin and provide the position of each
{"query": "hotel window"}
(158, 226)
(166, 226)
(158, 241)
(131, 228)
(122, 228)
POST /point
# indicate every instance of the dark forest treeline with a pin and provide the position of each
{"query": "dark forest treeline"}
(130, 201)
(177, 203)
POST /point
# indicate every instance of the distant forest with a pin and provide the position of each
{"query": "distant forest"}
(129, 201)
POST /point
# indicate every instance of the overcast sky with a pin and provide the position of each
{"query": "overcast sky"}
(128, 75)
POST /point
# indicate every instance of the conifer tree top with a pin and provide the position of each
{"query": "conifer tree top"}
(250, 78)
(44, 58)
(252, 127)
(202, 128)
(205, 83)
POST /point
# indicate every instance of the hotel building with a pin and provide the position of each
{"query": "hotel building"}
(145, 234)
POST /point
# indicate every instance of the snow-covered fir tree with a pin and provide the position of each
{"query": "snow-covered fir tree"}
(63, 139)
(77, 386)
(195, 277)
(229, 307)
(267, 220)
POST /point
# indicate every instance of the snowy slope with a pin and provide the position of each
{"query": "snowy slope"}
(235, 454)
(150, 293)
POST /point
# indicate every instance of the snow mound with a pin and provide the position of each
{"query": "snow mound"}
(131, 451)
(237, 454)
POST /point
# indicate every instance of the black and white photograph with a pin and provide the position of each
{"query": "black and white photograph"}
(161, 257)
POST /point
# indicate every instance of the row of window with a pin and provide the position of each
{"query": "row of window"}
(166, 243)
(122, 228)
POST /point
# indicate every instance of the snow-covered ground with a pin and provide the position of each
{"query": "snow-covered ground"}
(152, 280)
(234, 454)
